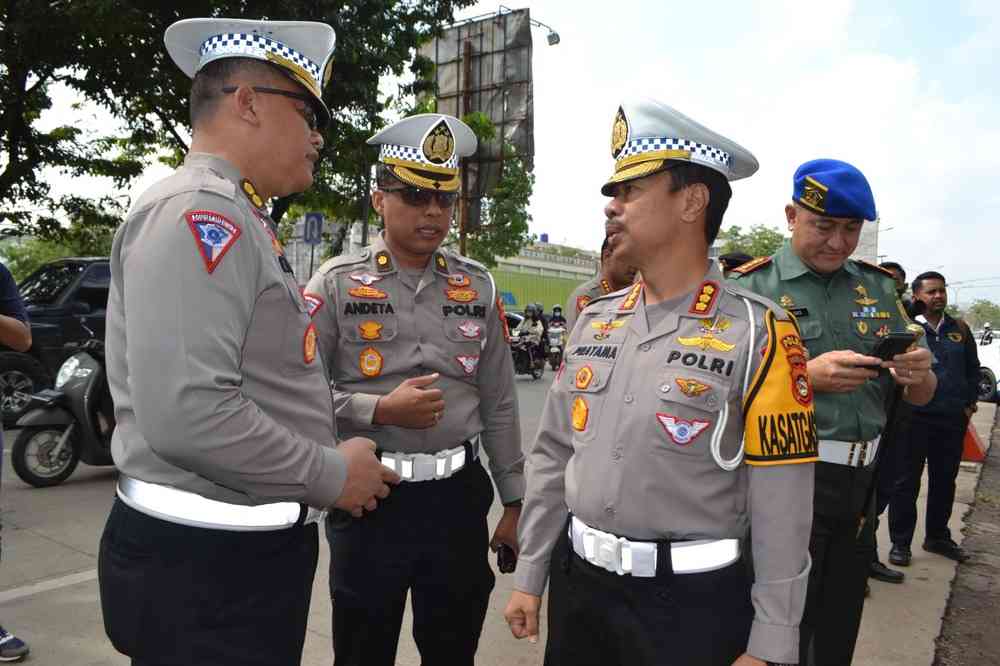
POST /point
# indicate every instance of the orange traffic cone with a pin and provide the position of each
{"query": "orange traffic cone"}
(973, 449)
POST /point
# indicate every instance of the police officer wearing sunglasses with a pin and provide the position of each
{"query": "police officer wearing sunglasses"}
(416, 344)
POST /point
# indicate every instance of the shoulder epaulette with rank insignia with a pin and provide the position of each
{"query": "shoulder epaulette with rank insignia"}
(342, 260)
(868, 264)
(751, 266)
(471, 263)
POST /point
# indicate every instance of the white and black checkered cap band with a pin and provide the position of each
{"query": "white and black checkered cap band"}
(700, 150)
(414, 154)
(256, 46)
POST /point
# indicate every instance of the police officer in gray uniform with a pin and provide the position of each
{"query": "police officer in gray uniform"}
(682, 421)
(614, 275)
(225, 437)
(416, 341)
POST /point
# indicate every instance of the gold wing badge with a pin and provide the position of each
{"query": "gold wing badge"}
(863, 298)
(708, 338)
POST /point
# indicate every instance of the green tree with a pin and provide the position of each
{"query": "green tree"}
(110, 52)
(89, 234)
(759, 241)
(981, 312)
(504, 228)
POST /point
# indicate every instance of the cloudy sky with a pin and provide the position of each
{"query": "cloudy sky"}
(906, 91)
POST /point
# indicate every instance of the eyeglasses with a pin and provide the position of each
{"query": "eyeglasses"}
(420, 198)
(307, 112)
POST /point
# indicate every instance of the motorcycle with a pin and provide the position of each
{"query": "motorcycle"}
(557, 342)
(526, 361)
(69, 423)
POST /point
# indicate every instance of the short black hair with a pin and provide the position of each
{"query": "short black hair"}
(384, 177)
(893, 266)
(927, 275)
(206, 89)
(683, 174)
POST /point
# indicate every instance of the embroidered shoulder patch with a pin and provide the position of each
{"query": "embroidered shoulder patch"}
(780, 424)
(214, 234)
(313, 301)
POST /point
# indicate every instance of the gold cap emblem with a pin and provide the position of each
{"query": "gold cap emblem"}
(619, 133)
(439, 144)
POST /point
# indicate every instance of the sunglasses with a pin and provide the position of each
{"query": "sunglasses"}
(307, 112)
(420, 198)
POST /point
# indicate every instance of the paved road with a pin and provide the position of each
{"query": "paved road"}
(48, 587)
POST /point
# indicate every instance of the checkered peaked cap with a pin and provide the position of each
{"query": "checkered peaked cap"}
(303, 50)
(424, 150)
(646, 134)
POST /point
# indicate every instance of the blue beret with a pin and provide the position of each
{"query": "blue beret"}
(834, 189)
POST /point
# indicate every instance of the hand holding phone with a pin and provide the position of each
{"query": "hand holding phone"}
(893, 344)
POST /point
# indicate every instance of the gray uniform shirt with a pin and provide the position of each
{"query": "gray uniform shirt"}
(593, 288)
(624, 442)
(379, 326)
(217, 385)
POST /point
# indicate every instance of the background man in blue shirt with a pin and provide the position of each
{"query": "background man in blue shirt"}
(937, 428)
(16, 334)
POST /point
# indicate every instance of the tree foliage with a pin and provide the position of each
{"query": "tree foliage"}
(504, 228)
(111, 53)
(981, 312)
(759, 241)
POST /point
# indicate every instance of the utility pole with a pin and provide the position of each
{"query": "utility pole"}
(463, 199)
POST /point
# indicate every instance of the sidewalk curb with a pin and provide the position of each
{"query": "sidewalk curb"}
(968, 630)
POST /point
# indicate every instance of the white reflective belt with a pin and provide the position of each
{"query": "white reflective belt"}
(185, 508)
(852, 454)
(638, 558)
(429, 466)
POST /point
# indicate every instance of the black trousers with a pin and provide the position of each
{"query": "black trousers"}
(429, 538)
(841, 557)
(174, 595)
(601, 618)
(938, 440)
(890, 464)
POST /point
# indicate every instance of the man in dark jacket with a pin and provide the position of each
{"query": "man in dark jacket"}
(937, 428)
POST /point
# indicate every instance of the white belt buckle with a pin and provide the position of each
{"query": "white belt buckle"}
(315, 516)
(608, 553)
(624, 556)
(589, 545)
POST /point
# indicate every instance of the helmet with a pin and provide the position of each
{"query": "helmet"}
(529, 309)
(556, 308)
(986, 325)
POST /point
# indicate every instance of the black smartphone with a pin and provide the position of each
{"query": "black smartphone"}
(892, 344)
(506, 559)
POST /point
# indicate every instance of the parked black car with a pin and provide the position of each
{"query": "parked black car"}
(61, 298)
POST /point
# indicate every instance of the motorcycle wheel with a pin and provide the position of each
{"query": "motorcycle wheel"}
(987, 387)
(35, 460)
(537, 371)
(554, 361)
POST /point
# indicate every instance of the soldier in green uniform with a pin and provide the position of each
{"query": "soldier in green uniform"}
(843, 308)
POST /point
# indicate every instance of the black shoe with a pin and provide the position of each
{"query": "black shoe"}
(900, 555)
(879, 571)
(946, 547)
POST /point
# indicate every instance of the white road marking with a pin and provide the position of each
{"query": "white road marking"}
(47, 585)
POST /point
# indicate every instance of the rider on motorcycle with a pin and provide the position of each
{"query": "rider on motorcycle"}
(531, 328)
(557, 318)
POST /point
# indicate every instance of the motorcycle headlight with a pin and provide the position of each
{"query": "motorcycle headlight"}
(67, 370)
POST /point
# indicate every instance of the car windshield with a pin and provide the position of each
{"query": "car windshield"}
(45, 286)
